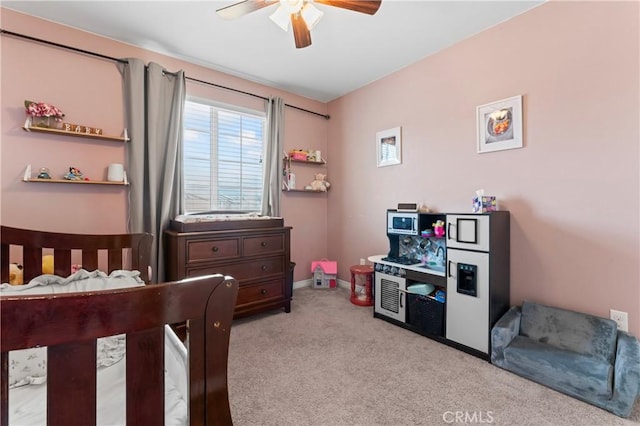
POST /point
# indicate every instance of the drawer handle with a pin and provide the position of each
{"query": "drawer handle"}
(263, 244)
(214, 248)
(264, 268)
(263, 291)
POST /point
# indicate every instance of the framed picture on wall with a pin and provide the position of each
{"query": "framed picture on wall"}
(499, 125)
(389, 147)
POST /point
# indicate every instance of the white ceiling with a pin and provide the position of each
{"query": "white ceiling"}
(349, 49)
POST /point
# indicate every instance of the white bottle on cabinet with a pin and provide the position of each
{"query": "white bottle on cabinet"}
(291, 180)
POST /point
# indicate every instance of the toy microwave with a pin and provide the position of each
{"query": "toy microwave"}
(403, 223)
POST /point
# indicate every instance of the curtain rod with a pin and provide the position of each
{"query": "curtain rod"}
(124, 61)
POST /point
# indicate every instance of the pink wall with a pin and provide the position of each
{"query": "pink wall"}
(89, 91)
(573, 190)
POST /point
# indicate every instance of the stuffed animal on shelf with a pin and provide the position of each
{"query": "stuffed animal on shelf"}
(15, 274)
(320, 184)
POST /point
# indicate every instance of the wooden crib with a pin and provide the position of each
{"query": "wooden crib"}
(69, 324)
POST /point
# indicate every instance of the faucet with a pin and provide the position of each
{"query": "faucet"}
(440, 252)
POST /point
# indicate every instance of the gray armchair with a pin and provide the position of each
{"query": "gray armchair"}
(581, 355)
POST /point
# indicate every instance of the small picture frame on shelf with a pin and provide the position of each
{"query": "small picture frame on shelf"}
(389, 147)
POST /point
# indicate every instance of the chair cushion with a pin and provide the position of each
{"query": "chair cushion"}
(580, 375)
(573, 331)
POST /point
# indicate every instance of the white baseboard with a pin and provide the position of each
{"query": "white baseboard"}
(302, 284)
(344, 284)
(309, 282)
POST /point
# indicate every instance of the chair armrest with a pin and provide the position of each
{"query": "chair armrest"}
(505, 330)
(626, 379)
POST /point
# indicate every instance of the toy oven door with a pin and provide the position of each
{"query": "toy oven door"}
(390, 296)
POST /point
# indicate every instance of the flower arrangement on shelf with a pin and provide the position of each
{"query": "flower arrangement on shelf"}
(43, 114)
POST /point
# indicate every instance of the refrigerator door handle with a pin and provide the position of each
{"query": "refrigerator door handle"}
(449, 269)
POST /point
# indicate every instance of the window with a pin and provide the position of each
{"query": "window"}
(222, 158)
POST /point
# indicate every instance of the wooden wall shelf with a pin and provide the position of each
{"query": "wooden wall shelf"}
(77, 182)
(317, 163)
(74, 134)
(287, 168)
(302, 190)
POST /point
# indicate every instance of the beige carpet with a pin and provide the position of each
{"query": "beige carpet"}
(329, 362)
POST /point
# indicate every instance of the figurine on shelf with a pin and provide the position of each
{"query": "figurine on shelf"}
(44, 173)
(74, 174)
(438, 228)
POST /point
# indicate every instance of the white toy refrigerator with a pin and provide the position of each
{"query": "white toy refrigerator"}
(477, 277)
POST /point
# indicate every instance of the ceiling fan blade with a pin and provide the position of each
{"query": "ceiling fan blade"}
(301, 32)
(370, 7)
(242, 8)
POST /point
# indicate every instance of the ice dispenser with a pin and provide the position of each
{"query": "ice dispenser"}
(466, 279)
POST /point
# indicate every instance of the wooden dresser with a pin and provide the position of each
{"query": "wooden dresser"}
(255, 252)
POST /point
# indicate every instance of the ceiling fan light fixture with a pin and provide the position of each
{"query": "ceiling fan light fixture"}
(292, 6)
(281, 17)
(301, 15)
(311, 15)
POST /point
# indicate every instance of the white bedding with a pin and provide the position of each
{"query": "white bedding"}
(80, 281)
(27, 400)
(216, 217)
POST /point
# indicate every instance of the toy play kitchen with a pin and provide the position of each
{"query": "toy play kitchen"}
(446, 275)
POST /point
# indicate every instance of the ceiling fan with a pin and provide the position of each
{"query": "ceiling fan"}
(302, 14)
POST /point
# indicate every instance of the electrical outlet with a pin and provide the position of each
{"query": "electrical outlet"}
(362, 262)
(620, 318)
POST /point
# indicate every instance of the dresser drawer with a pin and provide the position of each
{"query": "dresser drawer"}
(260, 292)
(244, 271)
(265, 244)
(212, 249)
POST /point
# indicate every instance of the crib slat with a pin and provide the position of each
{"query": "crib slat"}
(4, 263)
(4, 389)
(32, 263)
(62, 262)
(197, 391)
(115, 259)
(90, 260)
(145, 377)
(71, 370)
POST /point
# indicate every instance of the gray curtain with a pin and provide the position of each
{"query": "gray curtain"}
(154, 103)
(273, 151)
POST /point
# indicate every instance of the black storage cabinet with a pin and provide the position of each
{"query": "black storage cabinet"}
(426, 314)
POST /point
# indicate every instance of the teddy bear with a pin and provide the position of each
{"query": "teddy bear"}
(15, 274)
(320, 184)
(16, 270)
